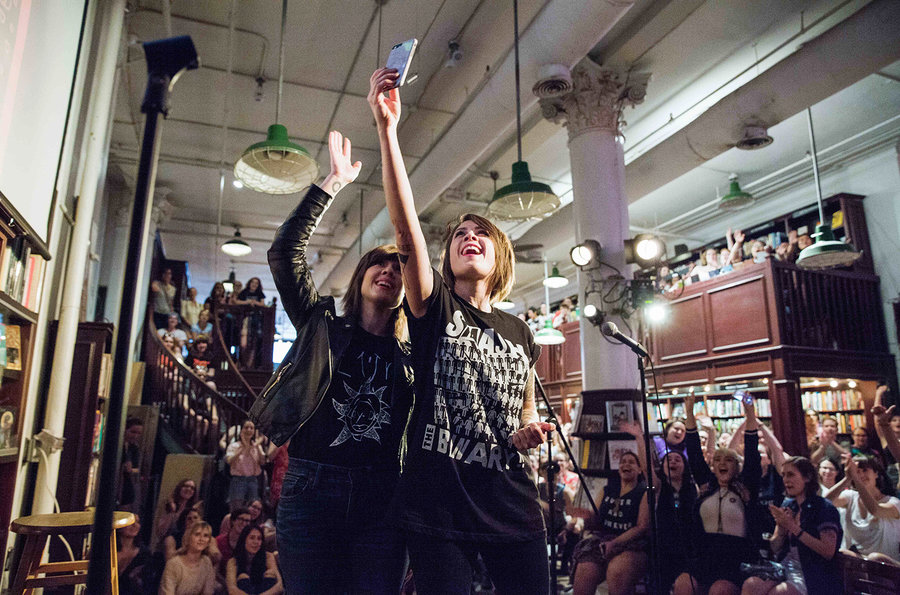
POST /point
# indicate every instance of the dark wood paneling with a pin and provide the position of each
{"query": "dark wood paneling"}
(571, 350)
(725, 371)
(685, 334)
(738, 314)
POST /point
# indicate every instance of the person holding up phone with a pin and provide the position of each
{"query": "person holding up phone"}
(723, 515)
(465, 488)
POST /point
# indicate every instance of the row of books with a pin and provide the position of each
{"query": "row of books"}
(602, 454)
(22, 273)
(847, 422)
(10, 345)
(832, 400)
(713, 408)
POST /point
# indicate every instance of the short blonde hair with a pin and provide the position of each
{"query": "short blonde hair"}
(189, 532)
(503, 277)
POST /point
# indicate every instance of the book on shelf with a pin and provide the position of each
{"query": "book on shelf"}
(832, 400)
(593, 454)
(14, 265)
(618, 413)
(34, 281)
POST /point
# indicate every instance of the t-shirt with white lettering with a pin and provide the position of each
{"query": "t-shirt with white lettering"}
(461, 478)
(868, 533)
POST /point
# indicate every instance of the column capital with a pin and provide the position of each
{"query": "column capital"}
(597, 99)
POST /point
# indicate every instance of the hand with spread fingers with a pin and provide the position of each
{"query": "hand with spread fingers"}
(385, 108)
(343, 170)
(530, 435)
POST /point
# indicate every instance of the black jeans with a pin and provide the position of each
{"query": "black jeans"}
(332, 531)
(444, 567)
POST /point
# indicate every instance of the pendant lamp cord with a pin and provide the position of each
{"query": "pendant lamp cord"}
(518, 99)
(281, 63)
(378, 44)
(815, 162)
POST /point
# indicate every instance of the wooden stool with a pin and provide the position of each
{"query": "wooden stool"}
(38, 528)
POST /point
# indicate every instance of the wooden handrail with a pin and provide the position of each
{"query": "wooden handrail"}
(226, 352)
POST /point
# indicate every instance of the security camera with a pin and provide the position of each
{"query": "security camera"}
(454, 54)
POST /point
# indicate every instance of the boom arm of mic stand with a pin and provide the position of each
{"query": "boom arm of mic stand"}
(565, 443)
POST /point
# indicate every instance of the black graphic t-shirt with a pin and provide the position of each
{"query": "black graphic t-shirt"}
(354, 425)
(461, 478)
(201, 362)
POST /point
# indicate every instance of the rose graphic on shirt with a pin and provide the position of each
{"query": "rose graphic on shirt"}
(363, 413)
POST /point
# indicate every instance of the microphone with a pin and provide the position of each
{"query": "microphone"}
(611, 330)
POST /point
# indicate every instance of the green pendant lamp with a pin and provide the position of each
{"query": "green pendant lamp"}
(826, 252)
(549, 335)
(276, 165)
(736, 198)
(554, 279)
(523, 198)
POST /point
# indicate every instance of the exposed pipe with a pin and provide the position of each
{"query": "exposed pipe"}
(96, 147)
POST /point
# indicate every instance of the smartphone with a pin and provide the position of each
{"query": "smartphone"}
(401, 57)
(742, 395)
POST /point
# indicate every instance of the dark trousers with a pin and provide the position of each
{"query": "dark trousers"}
(332, 532)
(444, 567)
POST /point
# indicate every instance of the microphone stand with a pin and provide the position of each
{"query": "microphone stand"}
(655, 577)
(551, 476)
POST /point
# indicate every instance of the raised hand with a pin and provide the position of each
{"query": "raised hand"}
(530, 435)
(739, 236)
(883, 416)
(633, 428)
(343, 169)
(785, 519)
(385, 108)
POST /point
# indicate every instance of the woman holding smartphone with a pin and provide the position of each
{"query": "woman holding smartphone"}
(342, 395)
(465, 489)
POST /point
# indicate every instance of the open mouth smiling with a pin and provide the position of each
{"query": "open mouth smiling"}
(471, 249)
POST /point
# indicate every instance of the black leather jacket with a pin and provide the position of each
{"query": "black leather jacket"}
(299, 384)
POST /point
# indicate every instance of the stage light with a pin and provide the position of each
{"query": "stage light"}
(593, 314)
(852, 384)
(586, 254)
(833, 384)
(656, 312)
(237, 184)
(645, 250)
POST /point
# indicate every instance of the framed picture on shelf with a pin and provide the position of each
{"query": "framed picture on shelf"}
(591, 423)
(8, 424)
(616, 449)
(618, 413)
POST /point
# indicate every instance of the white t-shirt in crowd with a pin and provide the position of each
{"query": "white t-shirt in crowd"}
(871, 534)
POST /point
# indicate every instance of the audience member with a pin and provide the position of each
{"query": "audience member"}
(708, 264)
(171, 328)
(240, 520)
(245, 457)
(674, 432)
(173, 539)
(183, 496)
(130, 488)
(760, 251)
(252, 294)
(258, 518)
(826, 445)
(723, 516)
(216, 297)
(191, 571)
(564, 314)
(170, 344)
(190, 307)
(531, 318)
(252, 570)
(202, 362)
(872, 520)
(804, 242)
(828, 474)
(203, 325)
(807, 535)
(615, 551)
(888, 428)
(860, 444)
(163, 298)
(133, 560)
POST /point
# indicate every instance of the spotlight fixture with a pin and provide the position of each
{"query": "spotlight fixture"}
(656, 312)
(237, 183)
(276, 165)
(523, 198)
(555, 280)
(755, 137)
(593, 315)
(504, 305)
(736, 198)
(645, 250)
(586, 254)
(826, 252)
(236, 247)
(852, 384)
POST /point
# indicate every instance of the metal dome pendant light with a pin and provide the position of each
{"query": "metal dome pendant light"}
(826, 252)
(549, 335)
(736, 198)
(276, 165)
(236, 246)
(523, 198)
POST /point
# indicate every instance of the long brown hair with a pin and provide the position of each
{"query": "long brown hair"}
(352, 301)
(503, 277)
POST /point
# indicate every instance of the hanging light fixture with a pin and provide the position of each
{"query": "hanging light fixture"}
(555, 280)
(522, 198)
(276, 165)
(505, 305)
(236, 246)
(826, 252)
(228, 283)
(736, 198)
(549, 335)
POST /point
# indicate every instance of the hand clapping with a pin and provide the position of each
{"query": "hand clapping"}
(785, 519)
